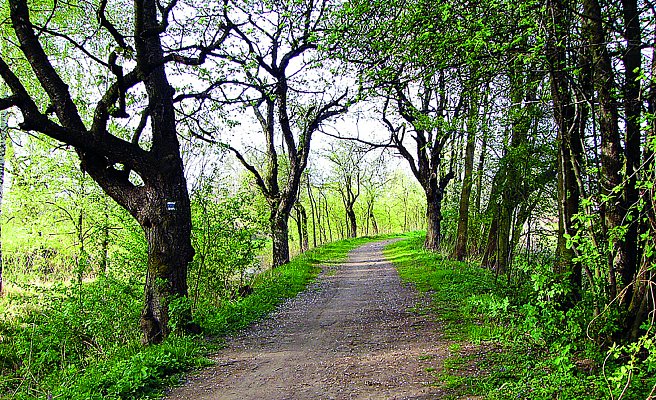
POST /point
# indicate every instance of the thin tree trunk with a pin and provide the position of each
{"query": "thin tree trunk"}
(643, 297)
(479, 173)
(351, 221)
(465, 194)
(104, 263)
(373, 223)
(313, 209)
(330, 229)
(611, 151)
(632, 108)
(302, 227)
(570, 152)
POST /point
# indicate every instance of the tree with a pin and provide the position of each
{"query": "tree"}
(347, 160)
(273, 45)
(570, 115)
(146, 178)
(407, 56)
(432, 129)
(467, 180)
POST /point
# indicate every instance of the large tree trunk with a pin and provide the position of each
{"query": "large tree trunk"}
(280, 239)
(433, 225)
(351, 221)
(433, 221)
(170, 251)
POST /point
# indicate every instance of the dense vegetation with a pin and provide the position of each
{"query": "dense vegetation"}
(181, 149)
(510, 342)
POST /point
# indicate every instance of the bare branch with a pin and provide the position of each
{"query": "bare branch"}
(252, 170)
(104, 22)
(372, 145)
(49, 79)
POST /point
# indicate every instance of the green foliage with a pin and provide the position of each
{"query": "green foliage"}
(528, 346)
(226, 244)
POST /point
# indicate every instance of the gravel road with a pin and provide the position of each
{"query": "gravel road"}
(350, 335)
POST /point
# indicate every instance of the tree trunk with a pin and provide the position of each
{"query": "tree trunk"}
(351, 221)
(313, 213)
(570, 152)
(611, 151)
(374, 224)
(280, 238)
(433, 221)
(168, 234)
(632, 60)
(104, 262)
(479, 173)
(643, 297)
(302, 227)
(465, 194)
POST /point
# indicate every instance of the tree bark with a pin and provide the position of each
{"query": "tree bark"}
(643, 297)
(632, 60)
(433, 223)
(301, 217)
(570, 151)
(280, 238)
(351, 221)
(465, 194)
(169, 253)
(434, 197)
(313, 213)
(611, 150)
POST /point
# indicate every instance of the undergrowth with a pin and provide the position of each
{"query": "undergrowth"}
(511, 345)
(82, 341)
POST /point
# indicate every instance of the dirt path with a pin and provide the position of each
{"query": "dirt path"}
(351, 335)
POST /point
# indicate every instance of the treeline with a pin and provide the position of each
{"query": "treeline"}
(528, 128)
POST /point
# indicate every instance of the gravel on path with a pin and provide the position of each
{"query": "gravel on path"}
(352, 334)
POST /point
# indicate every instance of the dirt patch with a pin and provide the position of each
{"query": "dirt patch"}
(351, 335)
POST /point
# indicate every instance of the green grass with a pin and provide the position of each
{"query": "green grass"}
(83, 342)
(449, 283)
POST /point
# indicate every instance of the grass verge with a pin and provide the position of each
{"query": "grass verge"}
(83, 341)
(506, 344)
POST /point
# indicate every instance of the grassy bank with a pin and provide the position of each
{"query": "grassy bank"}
(83, 341)
(507, 342)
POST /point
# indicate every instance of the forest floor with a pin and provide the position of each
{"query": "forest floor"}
(357, 333)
